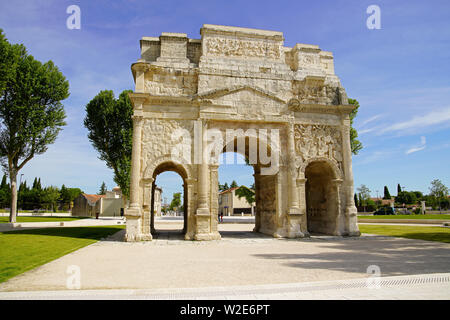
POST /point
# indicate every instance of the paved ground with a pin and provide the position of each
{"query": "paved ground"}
(241, 258)
(421, 287)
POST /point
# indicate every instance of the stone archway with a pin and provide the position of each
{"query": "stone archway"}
(181, 171)
(239, 79)
(322, 199)
(266, 193)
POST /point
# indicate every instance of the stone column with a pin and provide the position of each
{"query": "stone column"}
(257, 203)
(214, 203)
(148, 206)
(301, 185)
(203, 176)
(350, 209)
(136, 164)
(340, 227)
(190, 218)
(203, 213)
(134, 212)
(294, 213)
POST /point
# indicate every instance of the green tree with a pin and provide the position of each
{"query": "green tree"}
(419, 195)
(439, 191)
(399, 189)
(247, 193)
(176, 201)
(234, 184)
(31, 112)
(4, 184)
(225, 187)
(355, 198)
(68, 195)
(364, 194)
(387, 195)
(355, 144)
(5, 195)
(406, 197)
(102, 188)
(50, 196)
(111, 131)
(37, 184)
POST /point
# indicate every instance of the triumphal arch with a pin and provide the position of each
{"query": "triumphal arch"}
(242, 90)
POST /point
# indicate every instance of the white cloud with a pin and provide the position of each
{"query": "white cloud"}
(435, 120)
(370, 120)
(420, 147)
(430, 119)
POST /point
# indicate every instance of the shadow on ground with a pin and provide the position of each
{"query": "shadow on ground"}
(162, 234)
(94, 233)
(393, 256)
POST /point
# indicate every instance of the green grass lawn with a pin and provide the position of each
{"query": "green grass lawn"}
(24, 250)
(440, 234)
(40, 219)
(409, 216)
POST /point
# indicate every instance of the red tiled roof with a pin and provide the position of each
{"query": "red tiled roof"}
(93, 198)
(229, 190)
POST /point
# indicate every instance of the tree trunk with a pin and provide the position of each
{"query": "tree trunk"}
(13, 211)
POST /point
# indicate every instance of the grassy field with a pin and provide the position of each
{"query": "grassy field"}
(440, 234)
(40, 219)
(27, 249)
(409, 216)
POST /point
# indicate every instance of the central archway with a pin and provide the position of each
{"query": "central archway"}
(265, 209)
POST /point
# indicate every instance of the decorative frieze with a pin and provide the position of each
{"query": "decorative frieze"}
(242, 48)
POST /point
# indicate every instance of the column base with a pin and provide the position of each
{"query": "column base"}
(352, 221)
(138, 237)
(295, 216)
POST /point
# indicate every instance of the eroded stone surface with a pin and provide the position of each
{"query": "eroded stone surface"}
(244, 80)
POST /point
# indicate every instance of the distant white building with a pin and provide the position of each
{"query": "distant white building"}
(158, 201)
(93, 205)
(230, 204)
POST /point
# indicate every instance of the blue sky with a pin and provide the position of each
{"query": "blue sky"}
(400, 74)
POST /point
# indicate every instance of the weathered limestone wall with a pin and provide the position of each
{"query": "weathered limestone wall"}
(239, 78)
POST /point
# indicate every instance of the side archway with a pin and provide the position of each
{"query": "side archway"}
(165, 164)
(322, 196)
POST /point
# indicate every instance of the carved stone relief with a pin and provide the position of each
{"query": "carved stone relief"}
(157, 138)
(171, 83)
(311, 92)
(245, 48)
(317, 141)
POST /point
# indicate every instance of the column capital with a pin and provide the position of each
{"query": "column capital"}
(213, 167)
(137, 119)
(148, 181)
(301, 180)
(190, 181)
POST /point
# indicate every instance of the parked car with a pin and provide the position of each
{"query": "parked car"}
(384, 211)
